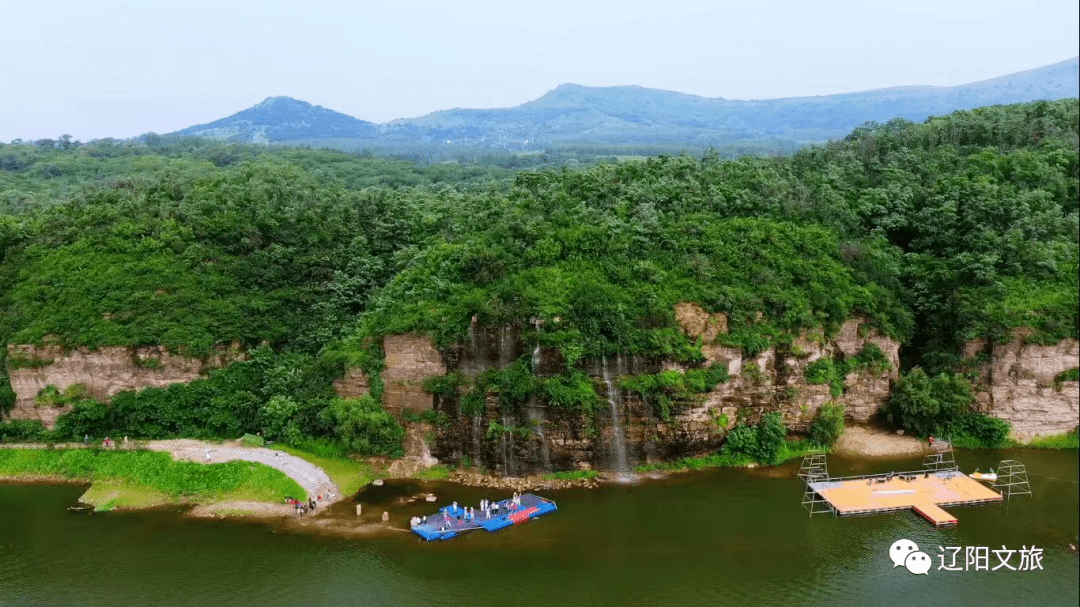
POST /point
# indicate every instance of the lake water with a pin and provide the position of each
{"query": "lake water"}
(722, 537)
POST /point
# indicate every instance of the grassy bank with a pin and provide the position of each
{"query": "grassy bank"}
(1068, 440)
(791, 449)
(1065, 440)
(348, 474)
(142, 479)
(571, 475)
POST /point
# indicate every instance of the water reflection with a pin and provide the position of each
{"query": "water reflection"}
(723, 537)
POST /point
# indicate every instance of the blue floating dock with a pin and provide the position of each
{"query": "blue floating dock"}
(450, 521)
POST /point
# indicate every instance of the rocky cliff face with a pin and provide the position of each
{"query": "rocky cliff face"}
(774, 380)
(625, 429)
(1017, 383)
(104, 372)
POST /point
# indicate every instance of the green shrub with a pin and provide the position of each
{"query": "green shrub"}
(571, 391)
(869, 358)
(24, 431)
(741, 439)
(50, 396)
(328, 448)
(763, 442)
(17, 359)
(439, 419)
(473, 402)
(834, 372)
(445, 386)
(669, 389)
(924, 405)
(828, 424)
(771, 433)
(977, 430)
(1067, 375)
(365, 427)
(253, 440)
(277, 418)
(825, 370)
(8, 397)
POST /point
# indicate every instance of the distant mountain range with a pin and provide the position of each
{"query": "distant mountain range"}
(633, 115)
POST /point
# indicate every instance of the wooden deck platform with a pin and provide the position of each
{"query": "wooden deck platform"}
(935, 515)
(922, 492)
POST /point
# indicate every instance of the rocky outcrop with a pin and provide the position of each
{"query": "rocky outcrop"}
(353, 384)
(538, 436)
(698, 323)
(1017, 383)
(103, 372)
(774, 380)
(409, 359)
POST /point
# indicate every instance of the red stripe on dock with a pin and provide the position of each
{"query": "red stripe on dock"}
(522, 516)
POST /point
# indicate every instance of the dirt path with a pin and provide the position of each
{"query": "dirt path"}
(876, 442)
(309, 476)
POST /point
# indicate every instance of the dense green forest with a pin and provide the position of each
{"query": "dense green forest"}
(963, 226)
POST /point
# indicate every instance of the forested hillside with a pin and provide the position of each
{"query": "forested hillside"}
(963, 226)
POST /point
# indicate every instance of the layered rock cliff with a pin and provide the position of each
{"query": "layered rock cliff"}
(539, 436)
(1018, 383)
(103, 372)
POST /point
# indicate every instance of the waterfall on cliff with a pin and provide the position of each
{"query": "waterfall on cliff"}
(536, 417)
(618, 435)
(507, 440)
(506, 347)
(477, 439)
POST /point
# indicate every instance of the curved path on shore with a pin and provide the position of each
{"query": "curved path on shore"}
(312, 478)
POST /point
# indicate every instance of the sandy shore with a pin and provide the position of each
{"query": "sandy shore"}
(867, 441)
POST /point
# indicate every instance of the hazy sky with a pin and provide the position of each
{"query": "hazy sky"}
(100, 68)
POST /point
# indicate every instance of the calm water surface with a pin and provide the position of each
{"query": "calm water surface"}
(724, 537)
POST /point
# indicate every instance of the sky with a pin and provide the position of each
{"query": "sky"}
(120, 68)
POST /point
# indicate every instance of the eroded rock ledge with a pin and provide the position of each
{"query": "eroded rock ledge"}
(1018, 383)
(104, 372)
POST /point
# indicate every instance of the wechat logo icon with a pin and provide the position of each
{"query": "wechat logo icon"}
(906, 553)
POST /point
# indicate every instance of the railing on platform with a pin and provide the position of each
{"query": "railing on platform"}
(1012, 479)
(814, 464)
(815, 469)
(942, 457)
(944, 473)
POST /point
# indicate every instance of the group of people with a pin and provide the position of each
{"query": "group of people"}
(301, 507)
(107, 443)
(455, 516)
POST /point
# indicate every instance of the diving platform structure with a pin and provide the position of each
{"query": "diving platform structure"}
(451, 521)
(1012, 479)
(939, 483)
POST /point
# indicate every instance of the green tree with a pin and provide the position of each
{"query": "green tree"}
(925, 405)
(828, 424)
(364, 427)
